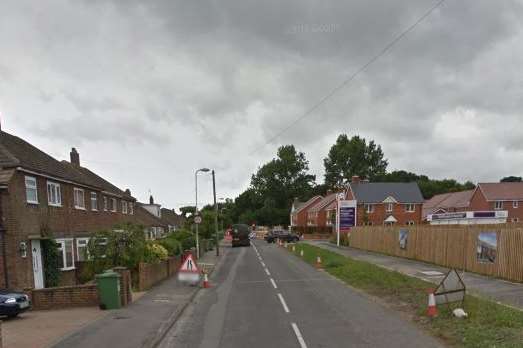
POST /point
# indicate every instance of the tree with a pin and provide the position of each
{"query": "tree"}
(187, 210)
(512, 179)
(350, 157)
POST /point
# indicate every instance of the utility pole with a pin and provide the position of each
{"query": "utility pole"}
(204, 170)
(215, 213)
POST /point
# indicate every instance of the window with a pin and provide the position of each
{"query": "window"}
(410, 208)
(410, 223)
(389, 207)
(82, 253)
(498, 205)
(113, 204)
(79, 199)
(131, 208)
(515, 220)
(94, 201)
(367, 223)
(124, 207)
(54, 194)
(31, 191)
(369, 208)
(65, 248)
(515, 204)
(106, 205)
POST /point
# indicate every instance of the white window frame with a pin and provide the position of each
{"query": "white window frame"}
(124, 207)
(94, 199)
(367, 223)
(106, 203)
(498, 205)
(62, 243)
(410, 223)
(31, 184)
(114, 204)
(131, 208)
(389, 207)
(515, 204)
(86, 240)
(53, 186)
(515, 220)
(369, 208)
(410, 208)
(75, 192)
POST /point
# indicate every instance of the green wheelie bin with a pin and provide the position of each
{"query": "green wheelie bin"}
(109, 289)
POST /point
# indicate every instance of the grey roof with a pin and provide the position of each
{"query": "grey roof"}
(376, 192)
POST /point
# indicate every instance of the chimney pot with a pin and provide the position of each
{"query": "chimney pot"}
(151, 200)
(128, 191)
(75, 157)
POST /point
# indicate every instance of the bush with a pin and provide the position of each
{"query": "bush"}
(173, 246)
(154, 253)
(51, 259)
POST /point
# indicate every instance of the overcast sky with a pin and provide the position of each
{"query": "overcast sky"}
(149, 91)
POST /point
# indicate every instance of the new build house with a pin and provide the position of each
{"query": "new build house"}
(386, 203)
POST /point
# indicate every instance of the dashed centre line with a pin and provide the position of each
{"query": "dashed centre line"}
(298, 335)
(282, 300)
(267, 271)
(274, 283)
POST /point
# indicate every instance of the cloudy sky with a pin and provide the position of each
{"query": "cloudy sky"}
(149, 91)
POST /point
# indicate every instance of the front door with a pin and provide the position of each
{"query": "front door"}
(38, 270)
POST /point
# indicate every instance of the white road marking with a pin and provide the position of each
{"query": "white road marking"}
(298, 335)
(267, 271)
(285, 308)
(274, 283)
(263, 264)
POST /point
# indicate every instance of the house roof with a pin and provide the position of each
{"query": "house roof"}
(298, 206)
(171, 218)
(16, 152)
(377, 192)
(147, 219)
(323, 203)
(502, 191)
(6, 175)
(447, 201)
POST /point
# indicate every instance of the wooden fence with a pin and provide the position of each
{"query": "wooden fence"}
(449, 246)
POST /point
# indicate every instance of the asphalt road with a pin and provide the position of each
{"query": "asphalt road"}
(263, 296)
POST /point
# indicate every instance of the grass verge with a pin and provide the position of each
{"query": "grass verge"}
(488, 325)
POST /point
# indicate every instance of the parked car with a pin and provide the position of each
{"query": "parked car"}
(284, 235)
(13, 303)
(240, 235)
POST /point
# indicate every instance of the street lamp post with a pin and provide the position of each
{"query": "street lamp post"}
(203, 170)
(215, 214)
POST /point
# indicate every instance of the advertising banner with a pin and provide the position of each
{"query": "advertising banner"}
(347, 215)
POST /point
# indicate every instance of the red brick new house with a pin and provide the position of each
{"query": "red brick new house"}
(299, 211)
(447, 203)
(40, 198)
(318, 214)
(507, 196)
(383, 203)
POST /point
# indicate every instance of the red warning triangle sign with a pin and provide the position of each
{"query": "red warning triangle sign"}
(189, 265)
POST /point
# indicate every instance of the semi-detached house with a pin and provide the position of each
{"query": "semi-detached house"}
(41, 198)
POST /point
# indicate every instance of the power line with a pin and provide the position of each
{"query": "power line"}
(353, 76)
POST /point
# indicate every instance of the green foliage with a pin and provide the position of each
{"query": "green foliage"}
(154, 252)
(171, 244)
(186, 239)
(512, 179)
(349, 157)
(52, 259)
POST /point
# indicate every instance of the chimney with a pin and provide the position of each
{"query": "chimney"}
(151, 200)
(127, 191)
(355, 179)
(75, 157)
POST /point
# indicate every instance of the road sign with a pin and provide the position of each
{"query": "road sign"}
(197, 219)
(189, 271)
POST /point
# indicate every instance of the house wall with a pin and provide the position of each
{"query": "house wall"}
(22, 219)
(300, 218)
(479, 203)
(398, 211)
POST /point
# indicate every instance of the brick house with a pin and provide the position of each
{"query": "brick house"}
(42, 198)
(299, 211)
(386, 203)
(172, 220)
(318, 215)
(154, 226)
(501, 196)
(447, 203)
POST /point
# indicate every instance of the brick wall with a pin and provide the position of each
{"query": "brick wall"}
(64, 297)
(379, 215)
(150, 274)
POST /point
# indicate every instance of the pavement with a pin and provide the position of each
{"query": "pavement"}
(263, 296)
(495, 289)
(39, 329)
(144, 322)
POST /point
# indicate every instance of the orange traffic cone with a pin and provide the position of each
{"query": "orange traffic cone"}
(206, 284)
(432, 310)
(318, 262)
